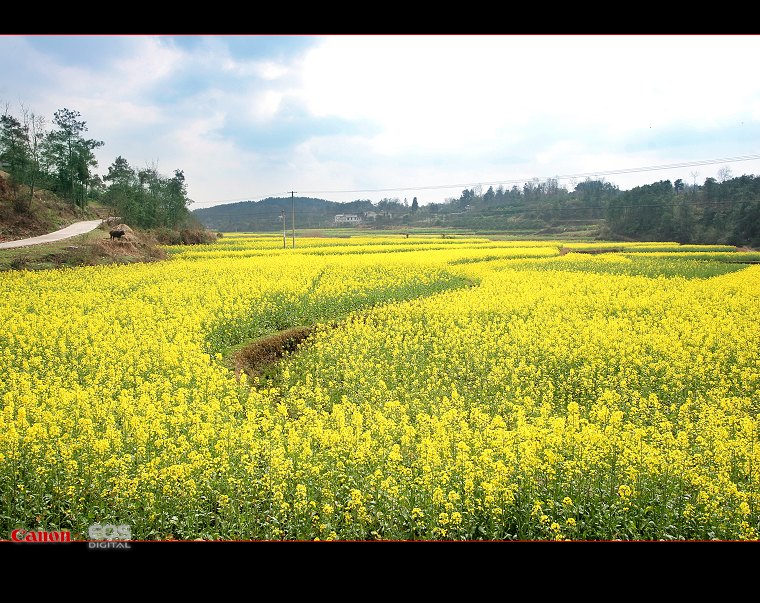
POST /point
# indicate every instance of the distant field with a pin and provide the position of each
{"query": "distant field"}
(424, 388)
(581, 233)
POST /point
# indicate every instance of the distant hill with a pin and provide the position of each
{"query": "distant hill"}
(267, 214)
(715, 213)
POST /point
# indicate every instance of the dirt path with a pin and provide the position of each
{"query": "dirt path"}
(70, 231)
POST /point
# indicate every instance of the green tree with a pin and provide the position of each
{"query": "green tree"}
(148, 192)
(684, 222)
(120, 172)
(415, 205)
(13, 154)
(467, 196)
(70, 156)
(20, 148)
(175, 200)
(123, 191)
(145, 198)
(595, 196)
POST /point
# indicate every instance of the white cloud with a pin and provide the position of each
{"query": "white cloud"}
(389, 111)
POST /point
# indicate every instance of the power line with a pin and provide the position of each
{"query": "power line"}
(565, 177)
(513, 181)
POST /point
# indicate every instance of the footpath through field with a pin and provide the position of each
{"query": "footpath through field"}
(70, 231)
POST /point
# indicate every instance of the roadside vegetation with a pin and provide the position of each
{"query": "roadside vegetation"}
(48, 182)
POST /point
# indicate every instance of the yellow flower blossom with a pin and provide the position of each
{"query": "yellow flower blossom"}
(446, 381)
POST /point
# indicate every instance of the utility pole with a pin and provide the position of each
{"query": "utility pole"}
(284, 225)
(293, 201)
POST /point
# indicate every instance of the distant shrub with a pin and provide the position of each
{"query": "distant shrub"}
(167, 236)
(196, 236)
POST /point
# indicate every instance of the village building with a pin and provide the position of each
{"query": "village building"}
(348, 219)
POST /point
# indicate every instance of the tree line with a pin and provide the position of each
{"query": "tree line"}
(62, 160)
(719, 211)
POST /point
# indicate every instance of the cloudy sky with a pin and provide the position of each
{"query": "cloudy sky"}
(344, 117)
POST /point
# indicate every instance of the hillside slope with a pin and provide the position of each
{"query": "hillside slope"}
(48, 213)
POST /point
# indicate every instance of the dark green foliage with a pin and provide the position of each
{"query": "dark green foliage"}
(62, 160)
(69, 157)
(145, 198)
(725, 213)
(21, 145)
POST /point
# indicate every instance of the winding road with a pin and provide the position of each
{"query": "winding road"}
(65, 233)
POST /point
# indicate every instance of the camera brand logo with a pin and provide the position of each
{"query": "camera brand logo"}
(109, 536)
(21, 535)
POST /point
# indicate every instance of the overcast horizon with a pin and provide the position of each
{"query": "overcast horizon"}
(347, 117)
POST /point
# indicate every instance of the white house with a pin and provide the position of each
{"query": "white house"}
(348, 219)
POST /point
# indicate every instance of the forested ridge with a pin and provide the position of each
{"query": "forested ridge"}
(725, 211)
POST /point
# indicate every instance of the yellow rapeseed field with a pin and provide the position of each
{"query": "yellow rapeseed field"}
(454, 389)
